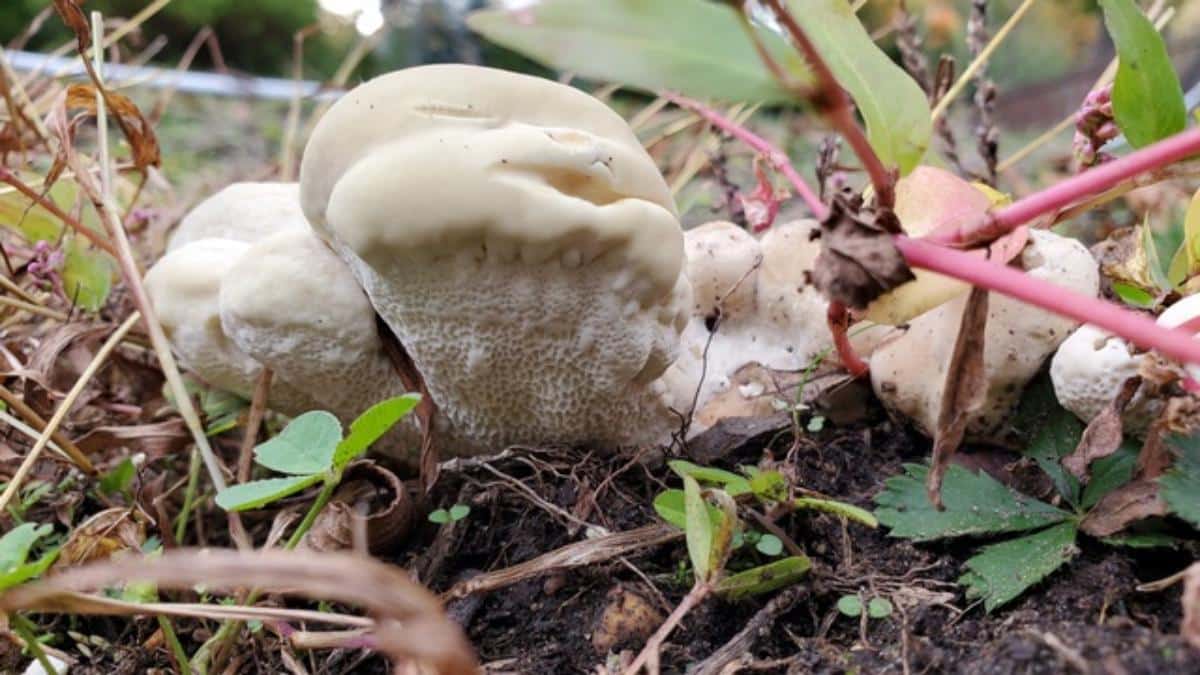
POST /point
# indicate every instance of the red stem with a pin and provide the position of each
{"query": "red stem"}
(779, 161)
(1139, 329)
(1071, 190)
(832, 100)
(838, 319)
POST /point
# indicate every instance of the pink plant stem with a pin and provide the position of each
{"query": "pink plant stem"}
(779, 161)
(1139, 329)
(1071, 190)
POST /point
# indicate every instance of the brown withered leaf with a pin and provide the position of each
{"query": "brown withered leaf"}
(72, 15)
(1122, 507)
(108, 533)
(389, 511)
(859, 260)
(1103, 434)
(1190, 627)
(964, 391)
(129, 118)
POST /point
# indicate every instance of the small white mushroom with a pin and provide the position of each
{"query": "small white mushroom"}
(1091, 365)
(908, 370)
(242, 212)
(519, 242)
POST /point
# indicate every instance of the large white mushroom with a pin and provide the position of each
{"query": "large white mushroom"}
(520, 243)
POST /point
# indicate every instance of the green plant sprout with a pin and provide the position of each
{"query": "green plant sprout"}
(453, 514)
(311, 450)
(877, 608)
(978, 505)
(15, 569)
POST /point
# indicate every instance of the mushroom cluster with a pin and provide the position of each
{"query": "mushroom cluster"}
(523, 248)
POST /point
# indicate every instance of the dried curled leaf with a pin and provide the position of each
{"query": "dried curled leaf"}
(409, 623)
(1103, 434)
(137, 131)
(859, 260)
(72, 15)
(965, 390)
(1122, 507)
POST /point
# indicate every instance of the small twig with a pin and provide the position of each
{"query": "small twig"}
(65, 407)
(542, 503)
(649, 654)
(258, 407)
(35, 420)
(7, 176)
(739, 645)
(33, 309)
(13, 288)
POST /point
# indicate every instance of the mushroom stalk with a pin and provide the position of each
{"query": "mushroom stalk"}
(1137, 328)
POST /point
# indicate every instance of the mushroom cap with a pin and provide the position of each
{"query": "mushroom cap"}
(1088, 370)
(519, 242)
(292, 305)
(722, 266)
(242, 212)
(908, 370)
(928, 198)
(184, 288)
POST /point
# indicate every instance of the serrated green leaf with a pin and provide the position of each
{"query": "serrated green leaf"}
(669, 505)
(305, 446)
(1001, 572)
(848, 511)
(731, 482)
(1052, 432)
(1147, 97)
(893, 106)
(975, 504)
(1180, 487)
(252, 495)
(764, 579)
(699, 531)
(371, 426)
(118, 479)
(850, 605)
(1110, 473)
(697, 47)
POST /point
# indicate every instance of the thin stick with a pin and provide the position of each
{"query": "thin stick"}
(258, 405)
(65, 407)
(35, 420)
(12, 287)
(982, 59)
(654, 644)
(32, 308)
(1139, 329)
(101, 107)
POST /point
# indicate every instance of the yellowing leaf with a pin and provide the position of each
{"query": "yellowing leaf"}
(1186, 262)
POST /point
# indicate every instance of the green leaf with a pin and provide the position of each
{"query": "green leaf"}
(732, 483)
(14, 550)
(1001, 572)
(439, 516)
(879, 608)
(1180, 487)
(1053, 433)
(1133, 296)
(769, 545)
(1159, 274)
(371, 426)
(842, 509)
(1186, 261)
(893, 106)
(768, 486)
(305, 446)
(669, 505)
(697, 47)
(1110, 473)
(87, 274)
(118, 480)
(17, 542)
(254, 494)
(699, 530)
(1147, 97)
(975, 504)
(222, 409)
(459, 511)
(850, 605)
(765, 578)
